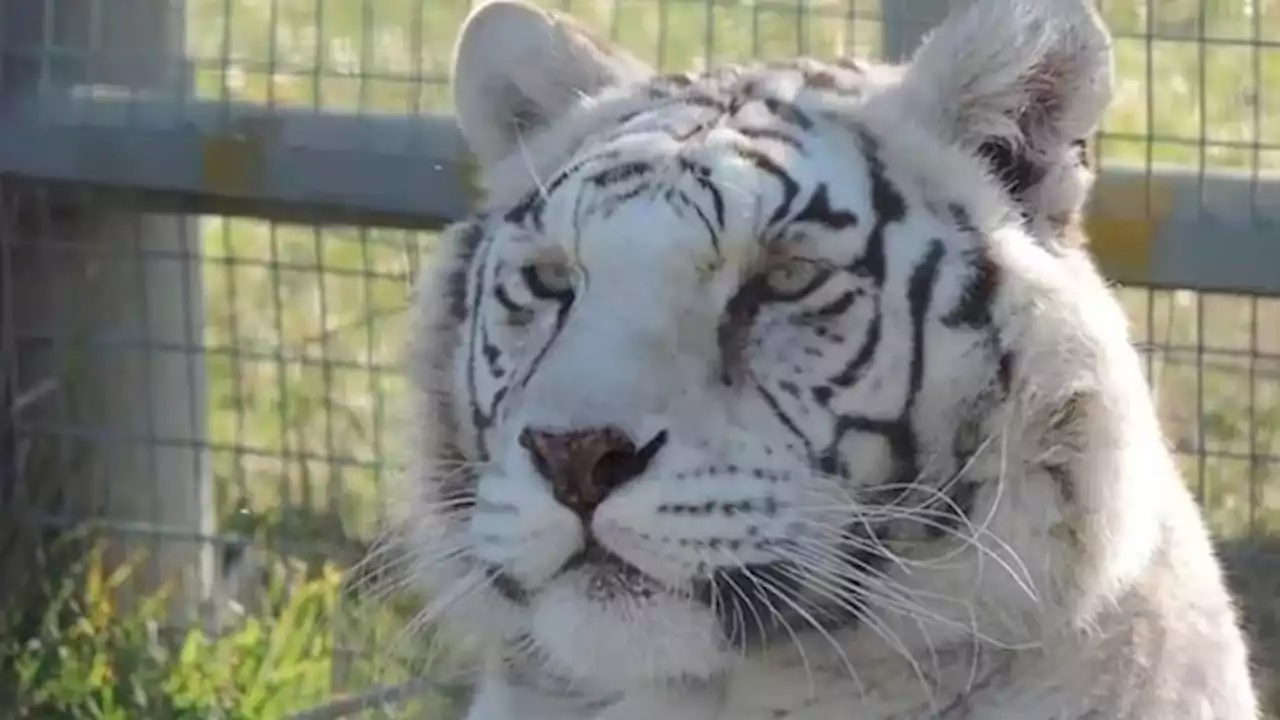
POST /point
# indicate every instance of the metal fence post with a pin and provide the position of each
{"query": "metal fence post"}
(100, 336)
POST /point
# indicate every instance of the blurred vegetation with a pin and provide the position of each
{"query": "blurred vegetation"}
(304, 328)
(83, 659)
(80, 657)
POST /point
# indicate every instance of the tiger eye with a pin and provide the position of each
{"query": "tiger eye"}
(548, 281)
(793, 279)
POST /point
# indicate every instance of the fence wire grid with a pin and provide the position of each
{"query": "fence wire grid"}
(219, 389)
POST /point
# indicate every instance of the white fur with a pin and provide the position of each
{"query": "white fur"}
(1055, 585)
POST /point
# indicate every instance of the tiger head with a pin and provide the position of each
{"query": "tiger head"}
(796, 349)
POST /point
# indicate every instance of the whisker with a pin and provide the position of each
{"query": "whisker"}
(751, 607)
(472, 582)
(844, 658)
(781, 618)
(878, 626)
(884, 590)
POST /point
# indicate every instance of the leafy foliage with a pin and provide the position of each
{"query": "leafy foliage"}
(88, 656)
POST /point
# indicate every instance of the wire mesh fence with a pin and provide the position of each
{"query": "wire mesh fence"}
(220, 389)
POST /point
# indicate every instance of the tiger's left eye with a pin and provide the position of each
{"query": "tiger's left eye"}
(548, 281)
(793, 279)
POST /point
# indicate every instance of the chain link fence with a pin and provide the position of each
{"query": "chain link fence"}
(213, 211)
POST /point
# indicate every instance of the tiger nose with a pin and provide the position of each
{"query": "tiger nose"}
(584, 466)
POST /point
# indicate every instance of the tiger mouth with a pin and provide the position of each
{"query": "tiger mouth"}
(597, 557)
(603, 567)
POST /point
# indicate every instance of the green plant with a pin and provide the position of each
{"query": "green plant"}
(88, 658)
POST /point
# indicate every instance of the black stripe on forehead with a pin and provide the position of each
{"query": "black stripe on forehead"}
(767, 165)
(531, 208)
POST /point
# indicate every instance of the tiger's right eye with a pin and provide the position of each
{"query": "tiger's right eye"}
(792, 280)
(548, 281)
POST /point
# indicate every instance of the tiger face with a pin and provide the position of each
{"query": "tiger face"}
(725, 356)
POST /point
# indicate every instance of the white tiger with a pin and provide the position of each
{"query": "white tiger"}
(789, 391)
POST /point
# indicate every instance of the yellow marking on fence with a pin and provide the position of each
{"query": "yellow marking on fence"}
(231, 163)
(1122, 226)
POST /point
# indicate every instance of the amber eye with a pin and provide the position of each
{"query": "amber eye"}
(548, 281)
(793, 279)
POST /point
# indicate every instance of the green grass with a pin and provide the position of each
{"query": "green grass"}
(305, 325)
(82, 657)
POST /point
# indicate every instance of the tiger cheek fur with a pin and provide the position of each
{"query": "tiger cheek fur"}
(785, 390)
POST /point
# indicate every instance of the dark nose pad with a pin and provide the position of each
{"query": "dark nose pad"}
(584, 466)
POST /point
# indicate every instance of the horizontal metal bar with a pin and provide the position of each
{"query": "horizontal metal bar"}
(243, 159)
(1167, 227)
(1176, 228)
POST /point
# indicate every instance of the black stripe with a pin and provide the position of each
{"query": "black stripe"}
(783, 418)
(619, 173)
(833, 309)
(717, 200)
(706, 101)
(533, 205)
(853, 371)
(920, 297)
(702, 175)
(890, 207)
(888, 204)
(758, 133)
(504, 299)
(530, 208)
(674, 196)
(974, 307)
(609, 205)
(1004, 372)
(766, 164)
(819, 210)
(492, 355)
(478, 419)
(467, 240)
(899, 432)
(562, 319)
(788, 113)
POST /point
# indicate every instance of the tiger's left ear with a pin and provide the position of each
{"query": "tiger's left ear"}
(518, 68)
(1023, 83)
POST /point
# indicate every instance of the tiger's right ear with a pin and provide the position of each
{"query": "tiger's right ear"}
(1021, 83)
(517, 68)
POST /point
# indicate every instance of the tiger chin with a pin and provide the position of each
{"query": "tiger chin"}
(789, 390)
